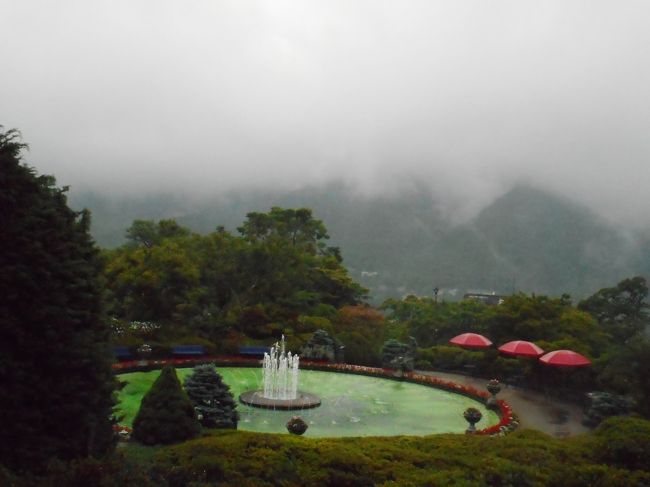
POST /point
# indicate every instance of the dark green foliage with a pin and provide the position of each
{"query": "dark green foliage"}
(447, 357)
(622, 310)
(297, 226)
(603, 405)
(626, 369)
(55, 362)
(166, 414)
(624, 442)
(278, 270)
(362, 330)
(211, 397)
(524, 458)
(11, 144)
(148, 233)
(398, 355)
(321, 346)
(431, 322)
(392, 349)
(596, 476)
(614, 456)
(106, 472)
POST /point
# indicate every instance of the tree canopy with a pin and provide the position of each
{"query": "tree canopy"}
(57, 383)
(609, 327)
(257, 283)
(622, 309)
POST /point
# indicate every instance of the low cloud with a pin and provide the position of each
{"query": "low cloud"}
(465, 97)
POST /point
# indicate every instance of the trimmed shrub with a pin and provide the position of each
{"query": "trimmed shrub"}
(525, 458)
(321, 346)
(211, 397)
(624, 442)
(449, 358)
(598, 476)
(166, 414)
(398, 355)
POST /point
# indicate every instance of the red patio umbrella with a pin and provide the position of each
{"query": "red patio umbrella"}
(471, 340)
(565, 358)
(521, 348)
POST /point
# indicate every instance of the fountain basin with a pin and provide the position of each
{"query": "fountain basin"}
(304, 400)
(352, 405)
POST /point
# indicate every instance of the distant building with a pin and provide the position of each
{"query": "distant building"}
(493, 299)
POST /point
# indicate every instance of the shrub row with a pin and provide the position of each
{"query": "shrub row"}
(617, 454)
(525, 458)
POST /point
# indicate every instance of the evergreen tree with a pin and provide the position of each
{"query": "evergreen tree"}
(398, 354)
(321, 346)
(55, 363)
(622, 310)
(212, 398)
(166, 414)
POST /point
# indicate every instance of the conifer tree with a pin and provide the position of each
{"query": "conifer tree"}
(166, 414)
(212, 398)
(398, 354)
(322, 346)
(55, 362)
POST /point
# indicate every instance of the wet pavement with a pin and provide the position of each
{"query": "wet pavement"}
(534, 410)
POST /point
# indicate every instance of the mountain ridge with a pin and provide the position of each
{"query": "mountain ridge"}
(526, 240)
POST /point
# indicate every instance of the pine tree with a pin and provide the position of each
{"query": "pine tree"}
(55, 362)
(322, 346)
(212, 398)
(166, 414)
(398, 354)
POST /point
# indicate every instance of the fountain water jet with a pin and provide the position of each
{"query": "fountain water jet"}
(280, 373)
(280, 383)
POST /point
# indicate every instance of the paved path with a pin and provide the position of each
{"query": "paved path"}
(554, 417)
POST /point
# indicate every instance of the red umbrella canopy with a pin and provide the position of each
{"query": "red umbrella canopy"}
(565, 358)
(471, 340)
(521, 348)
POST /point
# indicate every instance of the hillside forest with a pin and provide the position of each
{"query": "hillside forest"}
(278, 276)
(526, 240)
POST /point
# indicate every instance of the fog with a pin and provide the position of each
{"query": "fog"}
(466, 97)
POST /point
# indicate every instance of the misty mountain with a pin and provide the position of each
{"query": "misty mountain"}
(534, 241)
(526, 240)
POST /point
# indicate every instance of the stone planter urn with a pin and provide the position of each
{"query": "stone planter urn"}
(472, 416)
(296, 425)
(493, 387)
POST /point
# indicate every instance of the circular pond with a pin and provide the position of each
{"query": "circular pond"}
(352, 405)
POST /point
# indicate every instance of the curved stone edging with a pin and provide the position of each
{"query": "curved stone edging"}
(305, 400)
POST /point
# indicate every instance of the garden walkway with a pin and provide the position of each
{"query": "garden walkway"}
(550, 415)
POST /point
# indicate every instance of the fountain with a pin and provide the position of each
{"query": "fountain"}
(352, 405)
(280, 373)
(280, 383)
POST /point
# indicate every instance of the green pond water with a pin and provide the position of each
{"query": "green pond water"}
(352, 405)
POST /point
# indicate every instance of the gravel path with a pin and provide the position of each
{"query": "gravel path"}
(554, 417)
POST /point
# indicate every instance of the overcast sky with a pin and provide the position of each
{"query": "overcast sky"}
(466, 96)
